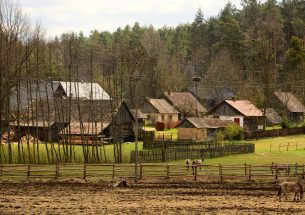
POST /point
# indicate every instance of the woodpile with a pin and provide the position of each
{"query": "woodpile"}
(29, 139)
(7, 135)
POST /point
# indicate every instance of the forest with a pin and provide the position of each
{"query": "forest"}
(253, 51)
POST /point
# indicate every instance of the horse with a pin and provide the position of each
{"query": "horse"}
(198, 162)
(280, 167)
(295, 187)
(187, 163)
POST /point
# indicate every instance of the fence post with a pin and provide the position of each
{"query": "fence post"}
(29, 172)
(167, 171)
(141, 170)
(245, 169)
(288, 146)
(250, 172)
(113, 166)
(56, 170)
(85, 170)
(276, 174)
(296, 169)
(195, 172)
(270, 147)
(220, 173)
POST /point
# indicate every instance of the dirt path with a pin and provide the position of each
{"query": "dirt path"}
(142, 199)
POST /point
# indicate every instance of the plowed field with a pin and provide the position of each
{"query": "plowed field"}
(148, 198)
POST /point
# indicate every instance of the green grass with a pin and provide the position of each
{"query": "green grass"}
(168, 134)
(263, 155)
(77, 153)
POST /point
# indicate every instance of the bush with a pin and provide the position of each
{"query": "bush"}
(286, 123)
(233, 132)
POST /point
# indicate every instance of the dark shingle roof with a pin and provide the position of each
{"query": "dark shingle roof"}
(273, 116)
(290, 101)
(182, 100)
(207, 122)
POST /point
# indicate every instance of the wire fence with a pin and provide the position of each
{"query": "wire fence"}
(288, 146)
(147, 172)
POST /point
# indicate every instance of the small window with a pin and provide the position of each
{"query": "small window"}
(163, 118)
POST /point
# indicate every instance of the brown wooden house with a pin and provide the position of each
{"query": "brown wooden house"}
(160, 111)
(200, 129)
(242, 112)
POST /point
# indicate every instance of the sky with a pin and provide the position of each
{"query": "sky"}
(60, 16)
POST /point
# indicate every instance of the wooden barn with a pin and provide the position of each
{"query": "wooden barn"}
(186, 103)
(200, 129)
(242, 112)
(160, 111)
(287, 105)
(43, 131)
(121, 127)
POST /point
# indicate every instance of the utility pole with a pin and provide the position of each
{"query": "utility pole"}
(196, 79)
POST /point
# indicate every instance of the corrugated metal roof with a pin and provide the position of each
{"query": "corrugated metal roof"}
(290, 101)
(245, 107)
(184, 100)
(84, 90)
(162, 106)
(207, 122)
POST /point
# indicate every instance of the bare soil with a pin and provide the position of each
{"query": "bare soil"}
(148, 198)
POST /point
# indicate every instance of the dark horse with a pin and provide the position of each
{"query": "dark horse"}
(295, 187)
(278, 168)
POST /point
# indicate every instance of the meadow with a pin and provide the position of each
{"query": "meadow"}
(262, 154)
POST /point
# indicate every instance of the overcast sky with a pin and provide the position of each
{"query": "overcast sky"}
(59, 16)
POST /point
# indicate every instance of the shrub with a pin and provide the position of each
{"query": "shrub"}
(233, 132)
(286, 123)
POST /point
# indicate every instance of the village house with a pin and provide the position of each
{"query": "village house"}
(186, 103)
(242, 112)
(160, 111)
(200, 129)
(288, 106)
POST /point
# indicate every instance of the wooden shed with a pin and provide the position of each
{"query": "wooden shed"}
(43, 131)
(122, 124)
(200, 129)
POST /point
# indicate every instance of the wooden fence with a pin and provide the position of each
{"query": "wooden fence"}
(112, 172)
(164, 155)
(274, 133)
